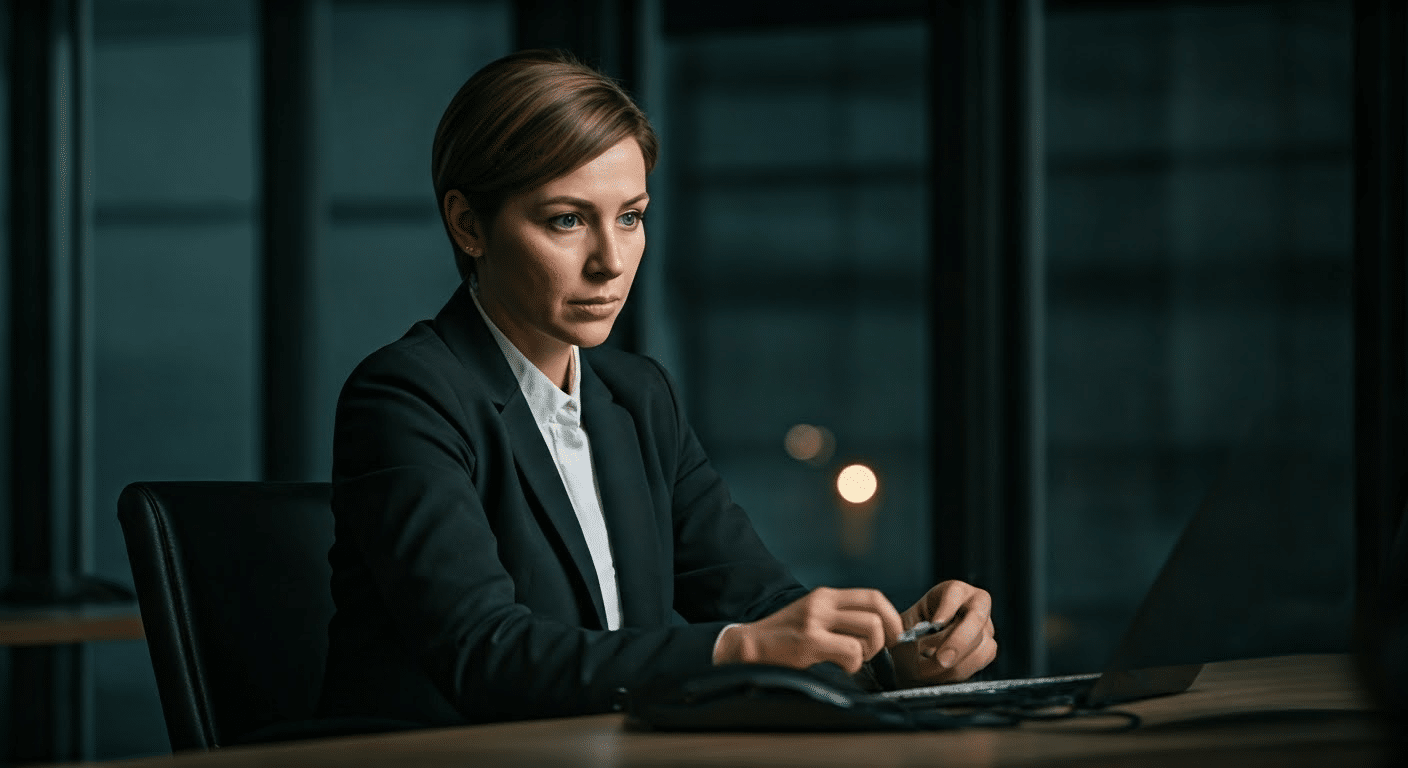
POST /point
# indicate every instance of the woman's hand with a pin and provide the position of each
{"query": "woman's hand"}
(843, 626)
(967, 644)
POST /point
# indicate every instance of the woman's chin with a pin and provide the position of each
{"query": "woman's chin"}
(588, 335)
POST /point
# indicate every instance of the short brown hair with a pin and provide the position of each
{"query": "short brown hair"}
(522, 121)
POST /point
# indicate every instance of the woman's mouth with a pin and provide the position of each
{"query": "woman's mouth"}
(599, 306)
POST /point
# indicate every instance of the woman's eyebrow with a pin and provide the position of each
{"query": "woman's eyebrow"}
(581, 203)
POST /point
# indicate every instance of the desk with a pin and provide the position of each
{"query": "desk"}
(1221, 721)
(58, 626)
(47, 720)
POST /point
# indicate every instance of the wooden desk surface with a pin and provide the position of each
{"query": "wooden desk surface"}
(1285, 711)
(55, 626)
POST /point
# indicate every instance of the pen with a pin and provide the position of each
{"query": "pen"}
(921, 629)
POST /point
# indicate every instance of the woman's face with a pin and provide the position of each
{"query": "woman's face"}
(559, 260)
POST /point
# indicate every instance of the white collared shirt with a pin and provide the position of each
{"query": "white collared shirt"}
(559, 418)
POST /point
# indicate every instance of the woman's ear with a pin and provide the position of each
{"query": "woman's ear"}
(464, 225)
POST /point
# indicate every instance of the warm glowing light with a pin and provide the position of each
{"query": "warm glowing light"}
(803, 442)
(857, 483)
(808, 443)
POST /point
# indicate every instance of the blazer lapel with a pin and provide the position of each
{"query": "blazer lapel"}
(536, 466)
(474, 346)
(626, 503)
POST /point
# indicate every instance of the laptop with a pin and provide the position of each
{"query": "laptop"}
(1262, 568)
(1243, 580)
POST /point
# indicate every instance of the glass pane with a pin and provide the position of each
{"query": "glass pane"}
(796, 226)
(1199, 202)
(175, 294)
(386, 262)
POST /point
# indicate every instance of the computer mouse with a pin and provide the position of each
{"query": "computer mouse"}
(757, 697)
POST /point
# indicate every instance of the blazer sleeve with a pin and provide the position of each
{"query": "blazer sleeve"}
(404, 493)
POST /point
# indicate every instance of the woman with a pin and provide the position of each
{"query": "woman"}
(517, 519)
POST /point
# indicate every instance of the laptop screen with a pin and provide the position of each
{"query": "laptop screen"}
(1263, 566)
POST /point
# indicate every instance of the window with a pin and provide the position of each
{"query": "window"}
(795, 255)
(1199, 247)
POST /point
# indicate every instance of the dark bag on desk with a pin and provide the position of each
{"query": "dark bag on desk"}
(756, 697)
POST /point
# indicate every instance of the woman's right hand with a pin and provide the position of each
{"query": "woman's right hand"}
(842, 626)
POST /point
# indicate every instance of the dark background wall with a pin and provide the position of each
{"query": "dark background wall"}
(1191, 250)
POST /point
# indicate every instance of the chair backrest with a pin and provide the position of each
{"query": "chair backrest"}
(233, 583)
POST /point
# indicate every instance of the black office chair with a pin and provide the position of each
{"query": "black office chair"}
(233, 583)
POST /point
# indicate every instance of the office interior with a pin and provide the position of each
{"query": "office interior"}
(1046, 271)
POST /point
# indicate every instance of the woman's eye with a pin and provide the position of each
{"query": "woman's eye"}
(630, 218)
(566, 220)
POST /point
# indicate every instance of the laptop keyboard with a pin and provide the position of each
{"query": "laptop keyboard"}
(991, 691)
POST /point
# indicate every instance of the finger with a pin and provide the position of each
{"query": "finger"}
(962, 640)
(976, 661)
(929, 645)
(957, 642)
(957, 595)
(844, 651)
(971, 608)
(928, 669)
(865, 626)
(875, 602)
(929, 604)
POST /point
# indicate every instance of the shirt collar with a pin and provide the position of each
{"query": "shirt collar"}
(545, 399)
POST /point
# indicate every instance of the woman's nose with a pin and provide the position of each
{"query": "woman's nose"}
(606, 260)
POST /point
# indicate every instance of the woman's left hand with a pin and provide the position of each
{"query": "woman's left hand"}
(965, 646)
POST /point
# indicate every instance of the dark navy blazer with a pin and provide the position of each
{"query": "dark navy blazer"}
(463, 585)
